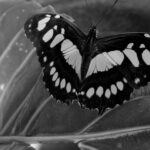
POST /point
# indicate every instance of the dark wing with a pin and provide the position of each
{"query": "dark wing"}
(119, 64)
(59, 47)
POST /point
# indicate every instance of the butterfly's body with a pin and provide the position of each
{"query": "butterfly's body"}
(98, 71)
(88, 50)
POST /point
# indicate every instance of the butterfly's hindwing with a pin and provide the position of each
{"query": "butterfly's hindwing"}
(105, 89)
(120, 64)
(59, 48)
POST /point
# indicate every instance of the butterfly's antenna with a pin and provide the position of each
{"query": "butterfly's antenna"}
(90, 17)
(107, 12)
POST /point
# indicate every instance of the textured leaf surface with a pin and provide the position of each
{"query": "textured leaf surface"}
(132, 114)
(133, 142)
(18, 70)
(17, 53)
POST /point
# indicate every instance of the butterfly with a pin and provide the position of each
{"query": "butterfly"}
(99, 72)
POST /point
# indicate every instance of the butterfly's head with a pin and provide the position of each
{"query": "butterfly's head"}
(92, 32)
(91, 37)
(93, 28)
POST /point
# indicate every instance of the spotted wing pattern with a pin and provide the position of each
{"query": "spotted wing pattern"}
(59, 46)
(131, 55)
(120, 64)
(117, 65)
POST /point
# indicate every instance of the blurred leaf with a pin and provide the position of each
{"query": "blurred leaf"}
(61, 145)
(14, 44)
(16, 50)
(18, 87)
(58, 118)
(5, 6)
(133, 142)
(132, 114)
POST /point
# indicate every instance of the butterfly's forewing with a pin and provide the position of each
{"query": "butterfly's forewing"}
(134, 52)
(119, 64)
(59, 47)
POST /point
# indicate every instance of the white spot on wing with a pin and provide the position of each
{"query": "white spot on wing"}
(142, 46)
(55, 27)
(29, 25)
(91, 67)
(44, 58)
(57, 16)
(48, 35)
(58, 38)
(68, 87)
(145, 76)
(42, 23)
(82, 92)
(137, 80)
(125, 80)
(132, 56)
(130, 45)
(65, 45)
(57, 82)
(113, 89)
(117, 56)
(63, 83)
(146, 56)
(99, 91)
(51, 64)
(120, 85)
(99, 64)
(72, 55)
(147, 35)
(55, 76)
(109, 58)
(48, 15)
(90, 92)
(52, 70)
(62, 31)
(107, 93)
